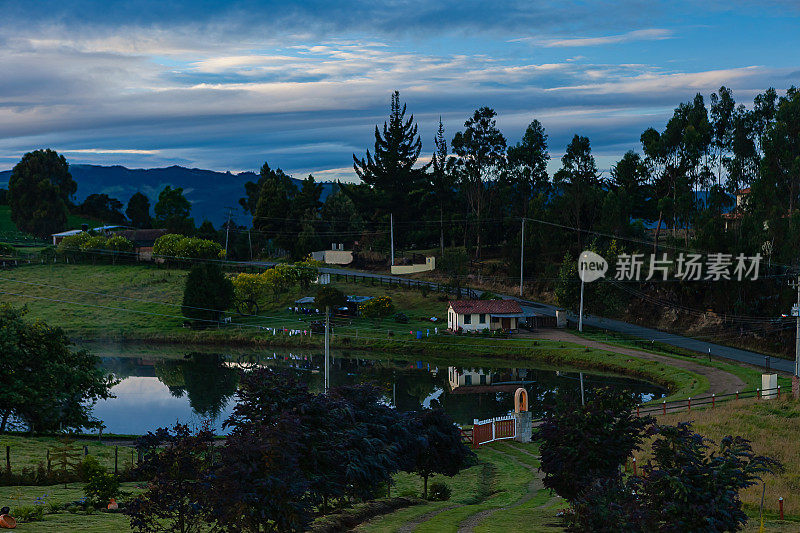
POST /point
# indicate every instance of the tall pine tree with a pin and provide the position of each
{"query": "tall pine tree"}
(390, 181)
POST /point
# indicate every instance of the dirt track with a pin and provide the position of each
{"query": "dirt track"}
(721, 382)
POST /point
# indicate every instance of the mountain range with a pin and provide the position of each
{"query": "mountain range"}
(210, 192)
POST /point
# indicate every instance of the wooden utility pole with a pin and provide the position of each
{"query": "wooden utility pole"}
(521, 256)
(327, 372)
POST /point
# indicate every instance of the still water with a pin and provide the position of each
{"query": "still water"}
(162, 385)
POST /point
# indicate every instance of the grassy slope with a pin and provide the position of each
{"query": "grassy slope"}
(773, 427)
(749, 374)
(9, 231)
(496, 481)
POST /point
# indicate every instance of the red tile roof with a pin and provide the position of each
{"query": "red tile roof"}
(463, 307)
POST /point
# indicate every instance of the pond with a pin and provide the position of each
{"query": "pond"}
(162, 385)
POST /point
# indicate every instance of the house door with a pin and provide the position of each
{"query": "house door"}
(506, 323)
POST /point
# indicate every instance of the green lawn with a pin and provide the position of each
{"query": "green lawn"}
(30, 452)
(749, 374)
(98, 522)
(500, 481)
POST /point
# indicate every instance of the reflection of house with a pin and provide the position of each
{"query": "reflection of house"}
(337, 255)
(461, 377)
(477, 315)
(477, 381)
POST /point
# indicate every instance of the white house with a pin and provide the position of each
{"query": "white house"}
(477, 315)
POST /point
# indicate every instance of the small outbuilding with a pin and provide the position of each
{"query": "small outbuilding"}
(478, 315)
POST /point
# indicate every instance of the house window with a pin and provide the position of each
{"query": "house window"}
(468, 378)
(482, 318)
(495, 320)
(467, 319)
(483, 379)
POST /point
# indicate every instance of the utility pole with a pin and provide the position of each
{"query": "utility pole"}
(582, 399)
(580, 313)
(521, 256)
(250, 242)
(796, 312)
(327, 374)
(581, 274)
(391, 231)
(227, 230)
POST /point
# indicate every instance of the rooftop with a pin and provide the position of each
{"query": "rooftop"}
(463, 307)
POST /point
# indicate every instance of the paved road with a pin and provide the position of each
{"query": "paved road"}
(697, 345)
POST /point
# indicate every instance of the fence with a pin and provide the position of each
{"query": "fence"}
(712, 400)
(373, 279)
(498, 428)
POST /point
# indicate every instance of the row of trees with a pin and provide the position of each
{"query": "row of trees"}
(683, 487)
(290, 454)
(476, 188)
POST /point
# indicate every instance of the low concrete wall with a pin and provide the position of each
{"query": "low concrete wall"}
(430, 264)
(333, 257)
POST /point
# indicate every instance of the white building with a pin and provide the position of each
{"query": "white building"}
(477, 315)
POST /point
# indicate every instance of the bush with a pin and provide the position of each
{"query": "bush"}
(100, 488)
(439, 492)
(29, 513)
(379, 307)
(100, 485)
(400, 318)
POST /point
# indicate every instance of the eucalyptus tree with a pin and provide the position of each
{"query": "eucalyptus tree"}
(440, 180)
(479, 160)
(579, 182)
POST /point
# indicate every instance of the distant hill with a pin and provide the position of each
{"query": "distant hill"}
(210, 192)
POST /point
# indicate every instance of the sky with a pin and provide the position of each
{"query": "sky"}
(230, 85)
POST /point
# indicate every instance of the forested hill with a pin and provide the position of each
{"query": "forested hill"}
(209, 191)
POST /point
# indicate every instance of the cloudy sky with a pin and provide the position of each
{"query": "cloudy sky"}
(226, 86)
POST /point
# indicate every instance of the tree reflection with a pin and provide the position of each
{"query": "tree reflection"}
(204, 378)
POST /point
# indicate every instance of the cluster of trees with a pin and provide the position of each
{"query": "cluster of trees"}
(95, 246)
(175, 248)
(41, 194)
(250, 289)
(683, 487)
(290, 455)
(48, 386)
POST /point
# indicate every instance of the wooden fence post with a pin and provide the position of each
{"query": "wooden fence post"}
(664, 407)
(690, 403)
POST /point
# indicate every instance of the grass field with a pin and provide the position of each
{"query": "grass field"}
(29, 452)
(501, 481)
(773, 427)
(749, 374)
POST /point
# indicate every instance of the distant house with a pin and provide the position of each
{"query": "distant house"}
(143, 240)
(58, 237)
(477, 315)
(337, 255)
(733, 218)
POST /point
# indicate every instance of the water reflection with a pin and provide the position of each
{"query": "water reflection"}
(157, 391)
